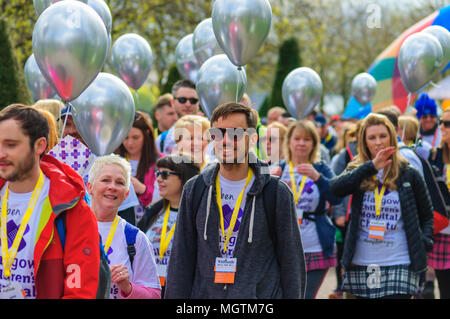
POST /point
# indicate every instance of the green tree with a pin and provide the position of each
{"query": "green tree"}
(13, 88)
(173, 77)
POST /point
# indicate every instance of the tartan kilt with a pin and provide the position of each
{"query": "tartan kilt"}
(319, 261)
(439, 257)
(396, 279)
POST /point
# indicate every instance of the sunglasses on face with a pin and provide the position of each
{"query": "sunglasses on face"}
(425, 116)
(165, 174)
(217, 133)
(445, 123)
(183, 100)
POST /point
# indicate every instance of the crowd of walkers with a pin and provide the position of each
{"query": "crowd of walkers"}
(233, 206)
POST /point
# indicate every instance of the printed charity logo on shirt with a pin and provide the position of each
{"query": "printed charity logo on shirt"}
(229, 191)
(22, 267)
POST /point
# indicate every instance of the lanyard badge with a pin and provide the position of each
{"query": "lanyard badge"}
(298, 193)
(235, 211)
(9, 255)
(165, 240)
(377, 227)
(111, 233)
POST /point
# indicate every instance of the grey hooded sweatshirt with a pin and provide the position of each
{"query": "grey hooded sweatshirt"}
(264, 270)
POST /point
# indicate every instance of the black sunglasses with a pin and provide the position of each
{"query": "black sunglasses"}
(183, 100)
(165, 174)
(218, 133)
(445, 123)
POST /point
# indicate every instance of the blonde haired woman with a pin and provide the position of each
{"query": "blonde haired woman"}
(391, 220)
(308, 177)
(132, 277)
(192, 137)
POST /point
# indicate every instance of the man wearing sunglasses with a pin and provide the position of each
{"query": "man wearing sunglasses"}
(185, 101)
(427, 115)
(237, 233)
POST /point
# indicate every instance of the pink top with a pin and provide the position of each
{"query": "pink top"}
(149, 181)
(141, 292)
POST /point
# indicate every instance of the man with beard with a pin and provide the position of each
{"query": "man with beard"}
(237, 233)
(35, 191)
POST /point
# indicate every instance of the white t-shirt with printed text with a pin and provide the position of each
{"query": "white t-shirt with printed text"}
(154, 235)
(393, 249)
(143, 272)
(230, 191)
(308, 202)
(22, 269)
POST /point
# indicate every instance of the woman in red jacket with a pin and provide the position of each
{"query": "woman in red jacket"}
(140, 150)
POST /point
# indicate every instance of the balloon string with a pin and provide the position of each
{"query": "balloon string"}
(136, 95)
(237, 84)
(68, 106)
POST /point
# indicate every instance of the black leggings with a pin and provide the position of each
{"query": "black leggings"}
(443, 279)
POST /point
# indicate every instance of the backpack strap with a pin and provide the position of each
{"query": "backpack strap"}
(60, 223)
(198, 190)
(130, 236)
(161, 141)
(270, 199)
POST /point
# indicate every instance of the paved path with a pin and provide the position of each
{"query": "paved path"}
(329, 284)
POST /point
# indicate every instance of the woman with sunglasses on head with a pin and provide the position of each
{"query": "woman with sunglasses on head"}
(391, 221)
(140, 151)
(439, 258)
(308, 177)
(158, 222)
(132, 276)
(192, 137)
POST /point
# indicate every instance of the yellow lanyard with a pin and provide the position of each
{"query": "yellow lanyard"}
(165, 240)
(294, 184)
(378, 198)
(111, 234)
(236, 208)
(8, 256)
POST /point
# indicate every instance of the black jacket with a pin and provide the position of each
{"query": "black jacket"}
(416, 208)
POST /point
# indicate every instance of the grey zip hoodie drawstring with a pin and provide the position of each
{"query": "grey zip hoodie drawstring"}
(208, 208)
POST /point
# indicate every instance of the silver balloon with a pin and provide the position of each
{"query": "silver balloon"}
(363, 88)
(38, 85)
(103, 11)
(301, 91)
(219, 81)
(186, 62)
(241, 27)
(204, 41)
(443, 36)
(132, 58)
(419, 60)
(41, 5)
(104, 113)
(70, 46)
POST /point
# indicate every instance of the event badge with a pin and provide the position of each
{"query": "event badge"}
(377, 228)
(225, 270)
(300, 216)
(162, 273)
(13, 290)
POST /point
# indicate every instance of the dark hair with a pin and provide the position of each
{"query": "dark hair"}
(232, 107)
(179, 163)
(34, 124)
(149, 152)
(182, 84)
(392, 116)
